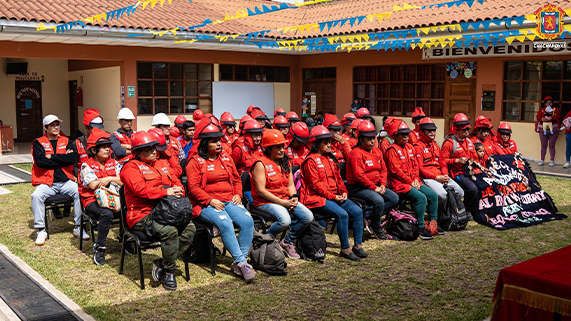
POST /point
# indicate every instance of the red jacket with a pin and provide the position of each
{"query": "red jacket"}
(297, 156)
(567, 130)
(144, 185)
(453, 148)
(229, 139)
(352, 142)
(321, 180)
(555, 118)
(403, 168)
(341, 151)
(173, 162)
(429, 158)
(489, 147)
(244, 155)
(110, 169)
(276, 182)
(384, 144)
(123, 140)
(507, 148)
(366, 168)
(81, 153)
(414, 136)
(175, 148)
(44, 175)
(217, 179)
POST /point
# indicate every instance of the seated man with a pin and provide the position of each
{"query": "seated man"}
(121, 139)
(185, 139)
(52, 173)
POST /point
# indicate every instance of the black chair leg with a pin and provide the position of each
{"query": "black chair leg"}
(67, 211)
(122, 253)
(186, 270)
(141, 272)
(212, 254)
(92, 227)
(81, 224)
(333, 225)
(46, 224)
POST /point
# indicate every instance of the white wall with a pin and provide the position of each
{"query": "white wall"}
(55, 92)
(101, 90)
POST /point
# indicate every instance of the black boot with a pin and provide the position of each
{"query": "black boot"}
(170, 282)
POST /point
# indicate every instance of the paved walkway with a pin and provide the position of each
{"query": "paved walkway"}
(12, 175)
(555, 171)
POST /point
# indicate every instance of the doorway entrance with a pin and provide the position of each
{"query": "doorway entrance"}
(29, 110)
(73, 126)
(459, 98)
(324, 94)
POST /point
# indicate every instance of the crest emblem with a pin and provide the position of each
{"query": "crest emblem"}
(549, 21)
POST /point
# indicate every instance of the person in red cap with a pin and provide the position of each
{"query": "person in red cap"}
(215, 190)
(431, 163)
(91, 119)
(261, 117)
(482, 129)
(339, 145)
(273, 191)
(52, 173)
(162, 122)
(505, 143)
(417, 115)
(297, 147)
(99, 171)
(386, 141)
(246, 153)
(147, 180)
(323, 190)
(164, 153)
(279, 112)
(553, 115)
(457, 149)
(367, 177)
(346, 121)
(178, 126)
(250, 109)
(354, 138)
(121, 138)
(404, 179)
(281, 124)
(292, 117)
(197, 115)
(228, 124)
(185, 140)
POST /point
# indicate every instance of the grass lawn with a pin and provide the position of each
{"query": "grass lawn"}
(25, 166)
(449, 278)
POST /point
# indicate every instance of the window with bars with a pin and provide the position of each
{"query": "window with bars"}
(397, 90)
(526, 83)
(173, 88)
(254, 73)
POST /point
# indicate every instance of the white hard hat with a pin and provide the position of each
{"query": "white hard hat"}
(125, 113)
(161, 119)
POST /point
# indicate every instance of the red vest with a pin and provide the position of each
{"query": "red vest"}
(81, 153)
(403, 169)
(324, 184)
(245, 157)
(276, 182)
(452, 148)
(44, 175)
(123, 140)
(297, 156)
(341, 151)
(429, 158)
(174, 147)
(86, 193)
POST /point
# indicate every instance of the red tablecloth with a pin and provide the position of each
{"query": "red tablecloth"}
(535, 289)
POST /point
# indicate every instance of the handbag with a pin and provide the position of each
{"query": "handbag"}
(172, 210)
(108, 197)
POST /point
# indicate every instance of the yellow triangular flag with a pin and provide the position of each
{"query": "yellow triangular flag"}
(162, 2)
(344, 39)
(396, 8)
(90, 20)
(424, 40)
(567, 27)
(145, 4)
(301, 29)
(531, 37)
(366, 37)
(412, 45)
(523, 31)
(453, 27)
(154, 3)
(370, 17)
(227, 17)
(358, 38)
(425, 30)
(442, 28)
(234, 36)
(520, 38)
(420, 45)
(173, 31)
(380, 17)
(530, 17)
(509, 40)
(388, 15)
(351, 38)
(408, 6)
(348, 49)
(434, 29)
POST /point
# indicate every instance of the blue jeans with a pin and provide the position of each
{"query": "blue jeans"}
(568, 147)
(249, 198)
(342, 212)
(283, 220)
(225, 220)
(382, 204)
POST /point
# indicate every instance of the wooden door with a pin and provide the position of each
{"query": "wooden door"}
(325, 95)
(459, 98)
(29, 110)
(73, 122)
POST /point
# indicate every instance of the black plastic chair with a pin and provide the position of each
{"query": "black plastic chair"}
(203, 227)
(54, 203)
(87, 220)
(261, 217)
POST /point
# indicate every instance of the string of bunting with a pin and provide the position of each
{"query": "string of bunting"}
(107, 16)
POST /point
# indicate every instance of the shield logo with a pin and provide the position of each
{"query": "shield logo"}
(549, 20)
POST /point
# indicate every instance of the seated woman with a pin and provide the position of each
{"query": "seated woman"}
(215, 190)
(323, 189)
(246, 152)
(297, 148)
(147, 180)
(354, 137)
(367, 177)
(482, 136)
(273, 191)
(505, 143)
(339, 145)
(404, 179)
(164, 153)
(98, 170)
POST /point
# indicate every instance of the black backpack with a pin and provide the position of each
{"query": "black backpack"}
(312, 245)
(453, 215)
(267, 255)
(401, 225)
(198, 252)
(172, 210)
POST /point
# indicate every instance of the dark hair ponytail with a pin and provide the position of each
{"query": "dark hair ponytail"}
(284, 162)
(203, 148)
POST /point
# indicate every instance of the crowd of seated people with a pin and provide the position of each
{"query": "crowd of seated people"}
(214, 155)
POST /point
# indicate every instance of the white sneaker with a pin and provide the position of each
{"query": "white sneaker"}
(552, 163)
(85, 236)
(566, 165)
(41, 237)
(540, 163)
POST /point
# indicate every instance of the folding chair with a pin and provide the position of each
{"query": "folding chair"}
(56, 202)
(86, 220)
(203, 227)
(261, 217)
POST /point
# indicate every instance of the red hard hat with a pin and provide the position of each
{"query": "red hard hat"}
(281, 121)
(279, 112)
(206, 128)
(175, 132)
(483, 122)
(547, 98)
(427, 123)
(319, 132)
(418, 113)
(300, 132)
(366, 128)
(159, 137)
(355, 123)
(363, 112)
(461, 121)
(179, 120)
(398, 126)
(142, 140)
(98, 137)
(197, 115)
(213, 119)
(243, 121)
(505, 128)
(208, 115)
(252, 126)
(227, 119)
(331, 121)
(292, 116)
(249, 110)
(272, 137)
(387, 123)
(348, 118)
(258, 114)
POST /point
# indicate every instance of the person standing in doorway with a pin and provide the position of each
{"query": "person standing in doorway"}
(548, 138)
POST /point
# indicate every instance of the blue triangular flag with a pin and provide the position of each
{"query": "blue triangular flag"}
(257, 10)
(343, 21)
(450, 4)
(469, 3)
(335, 23)
(459, 44)
(486, 24)
(266, 9)
(329, 25)
(274, 8)
(322, 26)
(283, 5)
(485, 43)
(422, 8)
(352, 21)
(325, 41)
(260, 45)
(486, 36)
(508, 21)
(475, 25)
(440, 5)
(480, 1)
(497, 22)
(134, 9)
(414, 32)
(251, 13)
(494, 41)
(464, 26)
(519, 20)
(476, 42)
(505, 33)
(502, 41)
(360, 19)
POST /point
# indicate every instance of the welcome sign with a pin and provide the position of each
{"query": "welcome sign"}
(509, 195)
